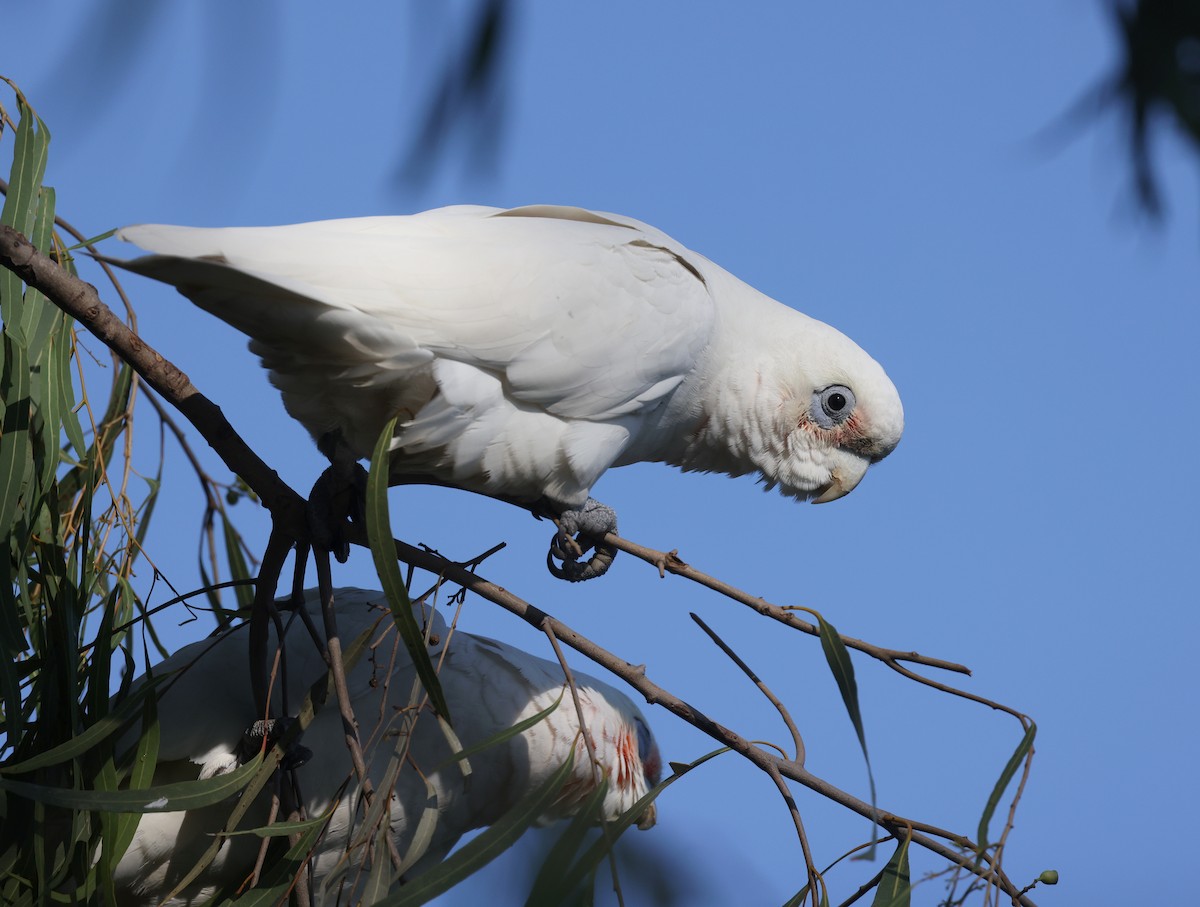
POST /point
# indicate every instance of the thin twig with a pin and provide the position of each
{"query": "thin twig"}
(763, 688)
(1011, 819)
(893, 658)
(863, 889)
(670, 562)
(589, 744)
(815, 880)
(333, 646)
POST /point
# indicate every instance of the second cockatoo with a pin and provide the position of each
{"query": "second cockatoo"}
(204, 707)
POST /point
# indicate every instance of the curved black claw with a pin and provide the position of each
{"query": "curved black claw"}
(337, 496)
(579, 530)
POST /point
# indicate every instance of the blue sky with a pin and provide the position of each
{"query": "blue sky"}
(875, 166)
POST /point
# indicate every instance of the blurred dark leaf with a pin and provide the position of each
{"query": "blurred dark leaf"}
(1157, 73)
(243, 51)
(1160, 72)
(468, 95)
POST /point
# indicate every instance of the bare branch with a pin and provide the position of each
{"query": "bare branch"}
(763, 688)
(670, 562)
(815, 880)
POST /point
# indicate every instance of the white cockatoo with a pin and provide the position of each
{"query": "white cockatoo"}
(526, 351)
(205, 707)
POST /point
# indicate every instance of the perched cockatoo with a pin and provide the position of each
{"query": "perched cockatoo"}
(205, 708)
(526, 351)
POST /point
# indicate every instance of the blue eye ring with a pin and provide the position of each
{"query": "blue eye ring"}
(832, 405)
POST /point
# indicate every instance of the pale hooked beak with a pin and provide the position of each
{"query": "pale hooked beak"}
(843, 480)
(648, 817)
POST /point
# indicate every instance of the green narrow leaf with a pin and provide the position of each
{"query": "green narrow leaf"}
(107, 778)
(507, 734)
(591, 858)
(52, 404)
(16, 460)
(379, 879)
(277, 881)
(423, 834)
(280, 829)
(61, 362)
(456, 746)
(101, 450)
(238, 569)
(481, 850)
(29, 166)
(38, 314)
(550, 886)
(842, 669)
(91, 241)
(141, 777)
(213, 596)
(20, 208)
(379, 533)
(38, 319)
(797, 899)
(894, 889)
(100, 664)
(153, 487)
(176, 797)
(1002, 782)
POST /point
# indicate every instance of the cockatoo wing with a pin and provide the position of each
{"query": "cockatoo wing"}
(585, 315)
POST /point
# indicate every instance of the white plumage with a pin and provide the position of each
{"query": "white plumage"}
(489, 687)
(526, 351)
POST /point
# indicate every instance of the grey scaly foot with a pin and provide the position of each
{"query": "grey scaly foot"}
(579, 530)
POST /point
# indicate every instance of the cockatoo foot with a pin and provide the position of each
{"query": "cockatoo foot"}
(272, 729)
(579, 530)
(337, 496)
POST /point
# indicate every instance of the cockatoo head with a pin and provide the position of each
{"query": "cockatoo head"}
(624, 748)
(644, 769)
(637, 765)
(839, 413)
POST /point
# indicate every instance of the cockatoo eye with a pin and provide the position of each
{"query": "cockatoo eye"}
(833, 405)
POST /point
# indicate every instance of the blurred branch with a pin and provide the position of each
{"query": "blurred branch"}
(287, 508)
